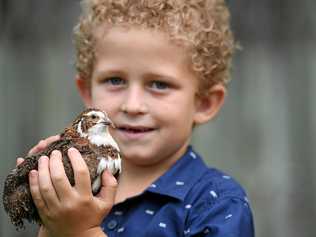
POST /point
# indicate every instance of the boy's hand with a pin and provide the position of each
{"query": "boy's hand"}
(19, 160)
(66, 210)
(42, 144)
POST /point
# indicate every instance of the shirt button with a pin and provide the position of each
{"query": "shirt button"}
(112, 224)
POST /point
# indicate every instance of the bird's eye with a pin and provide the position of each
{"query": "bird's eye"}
(93, 116)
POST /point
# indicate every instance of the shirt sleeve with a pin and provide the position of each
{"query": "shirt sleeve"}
(228, 217)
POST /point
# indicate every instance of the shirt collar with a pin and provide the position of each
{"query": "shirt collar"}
(181, 177)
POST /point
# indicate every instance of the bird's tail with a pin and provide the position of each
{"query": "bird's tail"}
(17, 200)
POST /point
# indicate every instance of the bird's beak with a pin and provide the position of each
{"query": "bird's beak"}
(108, 122)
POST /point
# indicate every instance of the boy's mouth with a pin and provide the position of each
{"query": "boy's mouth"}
(134, 133)
(134, 129)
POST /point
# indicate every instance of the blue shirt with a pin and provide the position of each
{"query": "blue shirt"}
(190, 199)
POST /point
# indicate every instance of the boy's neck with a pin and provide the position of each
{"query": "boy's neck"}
(134, 179)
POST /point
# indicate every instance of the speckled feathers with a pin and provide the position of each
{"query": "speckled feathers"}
(89, 134)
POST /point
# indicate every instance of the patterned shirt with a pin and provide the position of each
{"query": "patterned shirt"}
(190, 199)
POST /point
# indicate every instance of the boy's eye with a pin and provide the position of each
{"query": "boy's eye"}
(159, 85)
(114, 81)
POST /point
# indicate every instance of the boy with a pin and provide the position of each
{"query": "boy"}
(158, 68)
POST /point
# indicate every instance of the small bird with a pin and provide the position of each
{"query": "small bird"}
(89, 134)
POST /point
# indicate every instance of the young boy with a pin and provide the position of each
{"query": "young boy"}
(158, 68)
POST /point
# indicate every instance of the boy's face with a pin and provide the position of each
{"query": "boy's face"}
(145, 85)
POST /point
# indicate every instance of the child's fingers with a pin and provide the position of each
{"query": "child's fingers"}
(81, 172)
(35, 192)
(59, 178)
(52, 139)
(45, 183)
(108, 188)
(38, 147)
(42, 144)
(19, 160)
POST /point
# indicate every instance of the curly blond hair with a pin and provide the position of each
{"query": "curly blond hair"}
(201, 25)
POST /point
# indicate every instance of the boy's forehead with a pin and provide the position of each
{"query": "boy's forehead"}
(150, 50)
(151, 40)
(102, 30)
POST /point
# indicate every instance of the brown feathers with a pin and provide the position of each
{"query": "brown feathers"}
(89, 134)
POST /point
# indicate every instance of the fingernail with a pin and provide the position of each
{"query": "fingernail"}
(42, 158)
(71, 149)
(55, 152)
(33, 173)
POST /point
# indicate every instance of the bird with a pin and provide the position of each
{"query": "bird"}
(89, 133)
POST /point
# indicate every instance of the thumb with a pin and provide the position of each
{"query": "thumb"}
(108, 188)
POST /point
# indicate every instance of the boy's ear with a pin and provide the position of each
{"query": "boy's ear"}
(84, 90)
(209, 104)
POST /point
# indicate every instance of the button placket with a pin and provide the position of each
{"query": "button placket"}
(112, 224)
(114, 220)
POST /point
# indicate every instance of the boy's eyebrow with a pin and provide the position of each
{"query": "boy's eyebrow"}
(159, 76)
(108, 72)
(145, 75)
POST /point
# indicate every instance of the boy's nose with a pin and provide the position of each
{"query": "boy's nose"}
(134, 103)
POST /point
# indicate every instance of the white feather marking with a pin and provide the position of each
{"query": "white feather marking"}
(103, 164)
(79, 130)
(113, 165)
(99, 135)
(96, 184)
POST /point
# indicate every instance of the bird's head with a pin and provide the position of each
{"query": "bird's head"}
(92, 122)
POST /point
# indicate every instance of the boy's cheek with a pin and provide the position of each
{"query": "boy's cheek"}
(104, 101)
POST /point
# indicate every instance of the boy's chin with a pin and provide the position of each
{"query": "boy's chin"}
(135, 156)
(139, 157)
